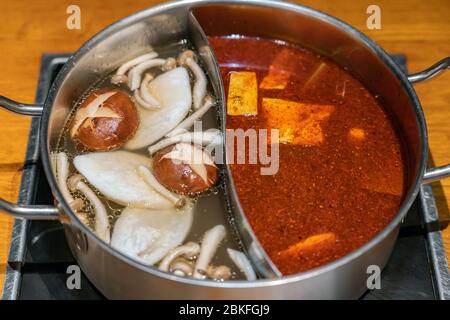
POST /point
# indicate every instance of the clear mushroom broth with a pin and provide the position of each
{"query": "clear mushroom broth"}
(210, 208)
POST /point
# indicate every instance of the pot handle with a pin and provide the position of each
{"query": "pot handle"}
(21, 108)
(36, 212)
(437, 173)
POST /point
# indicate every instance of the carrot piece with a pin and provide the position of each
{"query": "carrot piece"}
(309, 243)
(242, 94)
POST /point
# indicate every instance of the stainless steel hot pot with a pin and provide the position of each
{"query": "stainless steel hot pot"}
(118, 276)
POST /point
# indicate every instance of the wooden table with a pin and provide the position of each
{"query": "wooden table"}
(420, 29)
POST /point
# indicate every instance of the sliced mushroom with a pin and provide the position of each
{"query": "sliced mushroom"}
(204, 138)
(101, 216)
(188, 58)
(210, 243)
(148, 235)
(150, 179)
(189, 121)
(135, 74)
(241, 261)
(172, 90)
(189, 249)
(115, 175)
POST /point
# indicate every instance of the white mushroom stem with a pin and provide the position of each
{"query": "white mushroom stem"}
(133, 62)
(181, 268)
(199, 91)
(189, 249)
(210, 137)
(144, 104)
(62, 173)
(210, 243)
(101, 216)
(151, 180)
(241, 261)
(189, 121)
(135, 74)
(150, 101)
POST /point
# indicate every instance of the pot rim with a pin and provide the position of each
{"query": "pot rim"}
(233, 284)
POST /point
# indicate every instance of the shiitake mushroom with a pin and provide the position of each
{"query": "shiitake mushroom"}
(182, 177)
(106, 119)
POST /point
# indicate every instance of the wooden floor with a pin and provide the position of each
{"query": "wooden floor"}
(420, 29)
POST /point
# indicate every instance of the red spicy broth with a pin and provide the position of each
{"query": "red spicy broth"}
(341, 174)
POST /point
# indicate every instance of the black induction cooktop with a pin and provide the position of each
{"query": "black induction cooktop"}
(39, 256)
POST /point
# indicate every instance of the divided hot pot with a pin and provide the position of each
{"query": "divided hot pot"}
(117, 275)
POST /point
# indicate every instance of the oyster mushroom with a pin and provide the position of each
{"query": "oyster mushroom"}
(101, 216)
(149, 178)
(189, 249)
(172, 90)
(203, 138)
(105, 120)
(135, 74)
(210, 243)
(185, 169)
(241, 261)
(115, 175)
(189, 121)
(187, 58)
(148, 234)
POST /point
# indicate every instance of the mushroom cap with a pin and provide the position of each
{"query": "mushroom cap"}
(180, 177)
(220, 273)
(183, 56)
(104, 133)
